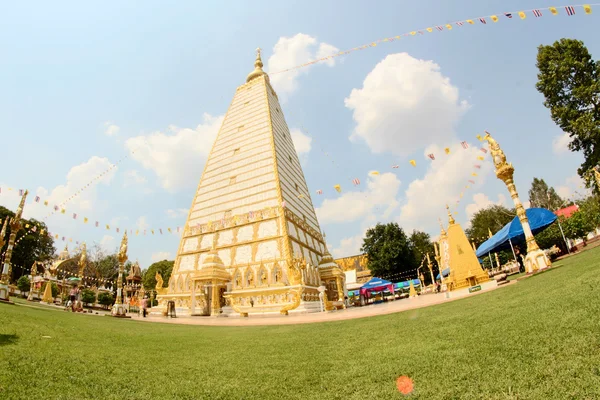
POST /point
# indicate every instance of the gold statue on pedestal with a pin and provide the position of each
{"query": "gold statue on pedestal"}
(159, 283)
(536, 259)
(83, 259)
(118, 309)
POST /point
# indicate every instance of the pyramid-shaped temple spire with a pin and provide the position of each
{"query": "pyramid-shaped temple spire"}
(252, 204)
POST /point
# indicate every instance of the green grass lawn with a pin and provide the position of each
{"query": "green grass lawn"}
(535, 339)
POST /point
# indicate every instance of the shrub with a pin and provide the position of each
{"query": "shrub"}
(24, 284)
(106, 299)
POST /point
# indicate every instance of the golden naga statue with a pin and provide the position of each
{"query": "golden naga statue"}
(3, 232)
(159, 280)
(497, 154)
(122, 256)
(295, 268)
(83, 259)
(15, 222)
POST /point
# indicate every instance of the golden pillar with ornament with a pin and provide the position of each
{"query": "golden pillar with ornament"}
(32, 283)
(340, 288)
(429, 266)
(15, 226)
(536, 259)
(118, 309)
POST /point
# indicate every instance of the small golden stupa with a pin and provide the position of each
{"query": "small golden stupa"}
(465, 270)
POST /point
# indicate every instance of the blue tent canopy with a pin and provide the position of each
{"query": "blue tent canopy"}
(406, 284)
(446, 272)
(539, 219)
(375, 283)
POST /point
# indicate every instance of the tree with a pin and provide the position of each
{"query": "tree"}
(106, 299)
(88, 296)
(420, 244)
(578, 226)
(569, 79)
(388, 250)
(164, 267)
(492, 218)
(590, 206)
(24, 284)
(551, 236)
(540, 195)
(32, 246)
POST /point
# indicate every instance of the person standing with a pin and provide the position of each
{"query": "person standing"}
(144, 306)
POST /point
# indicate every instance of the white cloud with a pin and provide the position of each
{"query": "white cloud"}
(302, 142)
(445, 179)
(142, 223)
(574, 187)
(161, 255)
(291, 51)
(111, 129)
(381, 191)
(348, 247)
(177, 157)
(404, 105)
(560, 143)
(481, 201)
(133, 177)
(177, 213)
(77, 178)
(108, 243)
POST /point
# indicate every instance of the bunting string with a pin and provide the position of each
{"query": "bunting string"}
(568, 10)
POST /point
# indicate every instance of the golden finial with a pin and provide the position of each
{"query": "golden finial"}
(490, 233)
(442, 227)
(258, 64)
(450, 218)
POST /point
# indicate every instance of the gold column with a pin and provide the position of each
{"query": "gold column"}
(340, 288)
(216, 306)
(15, 226)
(535, 259)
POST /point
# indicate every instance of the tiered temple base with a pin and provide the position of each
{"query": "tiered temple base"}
(274, 300)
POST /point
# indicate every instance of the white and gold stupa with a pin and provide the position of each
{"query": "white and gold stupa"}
(252, 242)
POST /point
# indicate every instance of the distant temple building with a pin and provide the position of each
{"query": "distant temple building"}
(252, 242)
(355, 268)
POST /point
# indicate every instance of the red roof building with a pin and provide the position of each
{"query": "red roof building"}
(567, 211)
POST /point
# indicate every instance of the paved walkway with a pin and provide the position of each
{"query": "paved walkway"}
(339, 315)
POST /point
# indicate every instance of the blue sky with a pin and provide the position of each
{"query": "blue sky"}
(157, 77)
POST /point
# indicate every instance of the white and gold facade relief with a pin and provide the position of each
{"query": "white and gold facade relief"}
(271, 257)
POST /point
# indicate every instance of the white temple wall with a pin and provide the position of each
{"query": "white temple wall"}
(241, 179)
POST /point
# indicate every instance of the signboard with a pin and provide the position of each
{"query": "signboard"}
(474, 288)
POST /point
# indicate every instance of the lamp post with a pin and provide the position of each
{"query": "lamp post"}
(15, 226)
(536, 259)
